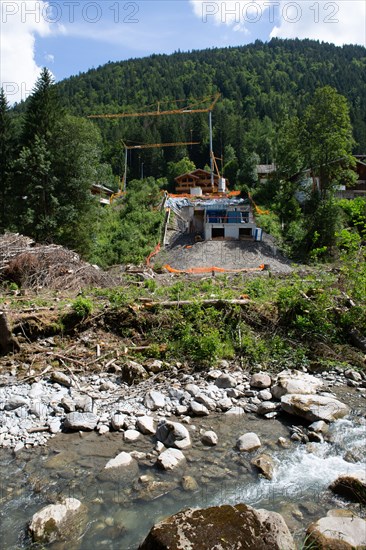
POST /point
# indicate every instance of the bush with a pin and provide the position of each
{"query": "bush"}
(82, 307)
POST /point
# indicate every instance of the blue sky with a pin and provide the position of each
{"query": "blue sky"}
(71, 36)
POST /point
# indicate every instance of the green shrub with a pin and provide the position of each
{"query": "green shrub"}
(82, 307)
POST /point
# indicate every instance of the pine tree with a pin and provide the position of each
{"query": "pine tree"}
(43, 109)
(6, 159)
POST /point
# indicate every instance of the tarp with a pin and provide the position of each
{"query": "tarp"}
(217, 204)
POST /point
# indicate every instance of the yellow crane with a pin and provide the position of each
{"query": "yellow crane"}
(151, 145)
(190, 107)
(122, 190)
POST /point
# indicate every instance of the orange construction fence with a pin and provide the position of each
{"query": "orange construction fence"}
(198, 270)
(152, 254)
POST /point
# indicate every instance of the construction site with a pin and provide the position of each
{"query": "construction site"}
(207, 226)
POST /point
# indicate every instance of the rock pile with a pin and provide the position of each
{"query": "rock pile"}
(31, 413)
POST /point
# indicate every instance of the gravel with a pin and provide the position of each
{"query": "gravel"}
(224, 254)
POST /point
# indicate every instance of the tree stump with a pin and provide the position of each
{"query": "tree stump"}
(7, 341)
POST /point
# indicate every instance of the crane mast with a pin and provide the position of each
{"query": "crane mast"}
(187, 109)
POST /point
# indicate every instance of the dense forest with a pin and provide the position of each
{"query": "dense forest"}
(260, 83)
(300, 104)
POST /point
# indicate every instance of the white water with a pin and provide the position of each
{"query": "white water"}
(304, 473)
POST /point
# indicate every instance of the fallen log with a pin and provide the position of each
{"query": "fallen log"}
(8, 343)
(209, 302)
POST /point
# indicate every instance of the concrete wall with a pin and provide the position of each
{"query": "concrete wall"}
(231, 229)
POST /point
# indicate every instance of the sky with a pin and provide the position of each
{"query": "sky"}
(72, 36)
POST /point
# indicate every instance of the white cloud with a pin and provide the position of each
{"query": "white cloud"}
(340, 21)
(49, 57)
(21, 21)
(239, 14)
(337, 21)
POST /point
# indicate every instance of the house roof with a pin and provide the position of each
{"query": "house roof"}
(99, 187)
(193, 175)
(265, 168)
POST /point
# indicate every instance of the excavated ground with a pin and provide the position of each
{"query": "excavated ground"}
(184, 253)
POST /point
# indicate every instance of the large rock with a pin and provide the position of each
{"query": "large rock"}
(131, 435)
(226, 381)
(209, 438)
(61, 378)
(198, 409)
(264, 464)
(59, 522)
(146, 425)
(119, 421)
(120, 461)
(173, 434)
(351, 486)
(267, 407)
(221, 527)
(260, 380)
(314, 407)
(133, 372)
(248, 442)
(295, 382)
(154, 400)
(121, 467)
(14, 402)
(81, 421)
(170, 459)
(339, 530)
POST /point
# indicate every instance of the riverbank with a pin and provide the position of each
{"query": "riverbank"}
(125, 501)
(168, 393)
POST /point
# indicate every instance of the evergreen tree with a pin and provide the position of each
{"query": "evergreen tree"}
(38, 202)
(56, 167)
(36, 178)
(6, 159)
(43, 109)
(76, 150)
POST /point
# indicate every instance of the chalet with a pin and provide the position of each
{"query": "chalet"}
(359, 188)
(264, 171)
(197, 179)
(103, 193)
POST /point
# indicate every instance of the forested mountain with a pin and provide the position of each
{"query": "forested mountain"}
(260, 84)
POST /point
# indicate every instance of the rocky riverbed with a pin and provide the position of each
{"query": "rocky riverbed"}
(135, 400)
(132, 453)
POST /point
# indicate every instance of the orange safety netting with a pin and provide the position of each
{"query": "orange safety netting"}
(211, 269)
(257, 208)
(152, 254)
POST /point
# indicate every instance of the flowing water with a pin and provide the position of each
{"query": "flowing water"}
(121, 512)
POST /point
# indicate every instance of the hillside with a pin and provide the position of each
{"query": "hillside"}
(260, 83)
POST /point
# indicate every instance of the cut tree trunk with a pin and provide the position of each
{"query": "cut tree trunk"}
(357, 339)
(8, 343)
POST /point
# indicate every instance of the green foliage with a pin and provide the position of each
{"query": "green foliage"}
(313, 159)
(6, 160)
(129, 230)
(309, 313)
(182, 166)
(261, 84)
(82, 307)
(55, 168)
(355, 211)
(327, 141)
(200, 335)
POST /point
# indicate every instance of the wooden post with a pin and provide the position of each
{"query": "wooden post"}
(7, 341)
